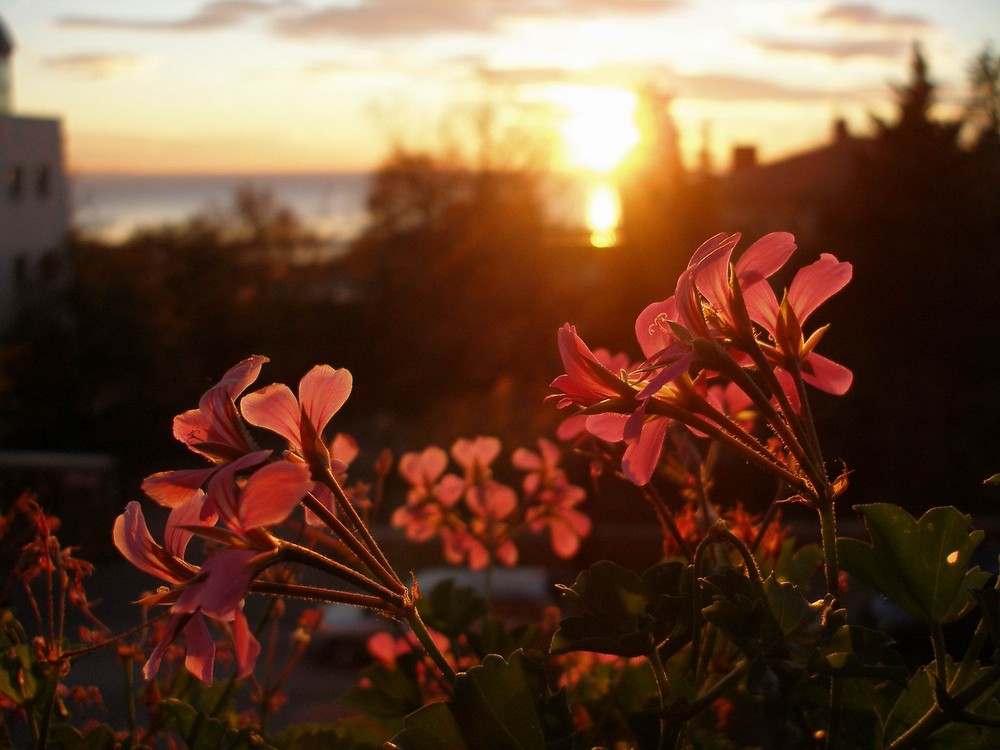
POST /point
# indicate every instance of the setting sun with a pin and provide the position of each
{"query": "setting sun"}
(603, 215)
(599, 128)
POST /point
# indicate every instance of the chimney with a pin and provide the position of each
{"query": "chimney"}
(840, 132)
(744, 157)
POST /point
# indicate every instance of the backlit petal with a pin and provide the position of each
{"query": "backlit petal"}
(826, 374)
(274, 408)
(322, 391)
(272, 493)
(816, 283)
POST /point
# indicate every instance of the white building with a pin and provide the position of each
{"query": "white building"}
(34, 204)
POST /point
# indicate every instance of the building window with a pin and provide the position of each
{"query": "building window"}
(43, 181)
(14, 182)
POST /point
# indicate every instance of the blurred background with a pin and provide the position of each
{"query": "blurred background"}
(423, 191)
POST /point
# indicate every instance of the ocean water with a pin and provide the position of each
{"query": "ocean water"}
(111, 207)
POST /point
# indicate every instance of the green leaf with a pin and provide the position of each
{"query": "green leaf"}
(857, 652)
(389, 693)
(65, 737)
(989, 606)
(202, 732)
(21, 677)
(919, 698)
(619, 613)
(432, 727)
(451, 609)
(921, 565)
(498, 704)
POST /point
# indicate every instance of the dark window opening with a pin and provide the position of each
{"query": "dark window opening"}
(43, 181)
(14, 180)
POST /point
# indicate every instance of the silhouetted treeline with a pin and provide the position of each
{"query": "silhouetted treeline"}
(920, 322)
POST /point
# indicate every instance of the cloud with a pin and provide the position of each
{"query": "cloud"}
(391, 18)
(869, 15)
(838, 49)
(211, 17)
(97, 66)
(715, 87)
(736, 88)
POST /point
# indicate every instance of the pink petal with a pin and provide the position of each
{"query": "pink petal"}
(132, 538)
(200, 658)
(816, 283)
(450, 489)
(174, 488)
(711, 245)
(222, 584)
(382, 648)
(191, 427)
(246, 646)
(239, 377)
(507, 553)
(480, 452)
(175, 537)
(712, 278)
(174, 626)
(762, 305)
(274, 408)
(322, 391)
(222, 497)
(766, 256)
(826, 374)
(325, 497)
(642, 456)
(571, 427)
(651, 329)
(668, 374)
(344, 448)
(581, 383)
(525, 460)
(609, 427)
(272, 493)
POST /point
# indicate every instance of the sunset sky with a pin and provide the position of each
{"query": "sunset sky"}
(317, 85)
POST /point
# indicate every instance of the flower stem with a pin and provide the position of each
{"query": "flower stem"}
(294, 553)
(828, 534)
(366, 536)
(355, 545)
(430, 647)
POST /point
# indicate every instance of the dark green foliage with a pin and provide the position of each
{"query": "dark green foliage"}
(621, 614)
(922, 565)
(498, 704)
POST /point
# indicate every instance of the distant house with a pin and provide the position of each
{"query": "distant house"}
(790, 194)
(34, 205)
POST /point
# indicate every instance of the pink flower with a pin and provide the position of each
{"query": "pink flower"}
(212, 590)
(264, 499)
(322, 391)
(587, 381)
(553, 498)
(812, 285)
(213, 430)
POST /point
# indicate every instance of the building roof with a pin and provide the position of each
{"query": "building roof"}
(6, 41)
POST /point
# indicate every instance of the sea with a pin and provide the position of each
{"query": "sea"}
(333, 205)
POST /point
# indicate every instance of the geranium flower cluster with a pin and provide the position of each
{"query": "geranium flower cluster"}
(478, 518)
(236, 503)
(723, 326)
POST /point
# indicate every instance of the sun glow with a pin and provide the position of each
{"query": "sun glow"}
(599, 127)
(603, 214)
